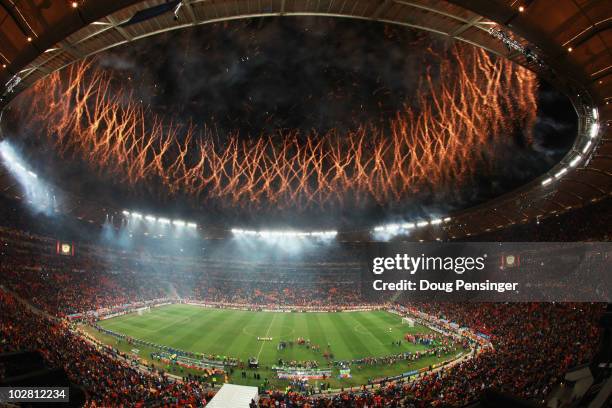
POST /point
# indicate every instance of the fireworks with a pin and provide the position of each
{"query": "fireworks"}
(472, 105)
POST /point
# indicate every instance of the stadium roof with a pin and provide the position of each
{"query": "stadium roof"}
(572, 38)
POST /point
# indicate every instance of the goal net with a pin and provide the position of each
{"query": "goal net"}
(409, 321)
(142, 310)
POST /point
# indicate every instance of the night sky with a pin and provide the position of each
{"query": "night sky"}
(309, 74)
(267, 74)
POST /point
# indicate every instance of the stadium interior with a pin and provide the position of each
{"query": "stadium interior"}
(194, 192)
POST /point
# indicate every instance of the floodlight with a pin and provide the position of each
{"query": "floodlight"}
(575, 161)
(586, 146)
(594, 130)
(561, 172)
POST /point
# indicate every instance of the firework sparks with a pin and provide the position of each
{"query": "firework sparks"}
(473, 105)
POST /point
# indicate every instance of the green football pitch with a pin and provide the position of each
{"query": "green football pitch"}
(234, 333)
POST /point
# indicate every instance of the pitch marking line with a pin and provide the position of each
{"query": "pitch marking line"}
(360, 328)
(173, 323)
(266, 335)
(158, 329)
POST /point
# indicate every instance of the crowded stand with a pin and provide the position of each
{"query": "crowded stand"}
(109, 378)
(533, 344)
(575, 225)
(363, 204)
(270, 288)
(98, 278)
(64, 286)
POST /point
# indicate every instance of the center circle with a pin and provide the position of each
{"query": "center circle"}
(248, 330)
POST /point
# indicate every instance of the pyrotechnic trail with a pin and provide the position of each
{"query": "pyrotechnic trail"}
(473, 104)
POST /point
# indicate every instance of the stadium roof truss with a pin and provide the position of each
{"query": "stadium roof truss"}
(566, 41)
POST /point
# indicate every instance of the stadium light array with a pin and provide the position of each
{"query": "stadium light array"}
(575, 161)
(159, 220)
(13, 163)
(284, 234)
(594, 130)
(38, 194)
(561, 172)
(390, 230)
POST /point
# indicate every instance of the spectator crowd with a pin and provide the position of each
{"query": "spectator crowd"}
(534, 344)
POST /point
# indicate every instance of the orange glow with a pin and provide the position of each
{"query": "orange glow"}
(471, 108)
